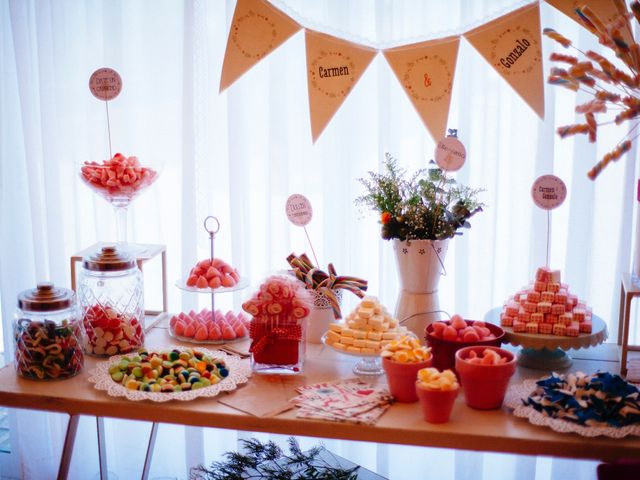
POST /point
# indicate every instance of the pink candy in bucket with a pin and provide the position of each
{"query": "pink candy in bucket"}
(485, 373)
(446, 337)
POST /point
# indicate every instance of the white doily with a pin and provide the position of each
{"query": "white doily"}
(515, 395)
(239, 372)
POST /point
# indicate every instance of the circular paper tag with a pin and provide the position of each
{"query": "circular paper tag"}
(299, 211)
(548, 192)
(450, 154)
(105, 84)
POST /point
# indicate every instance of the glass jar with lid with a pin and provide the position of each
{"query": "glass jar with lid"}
(111, 297)
(47, 333)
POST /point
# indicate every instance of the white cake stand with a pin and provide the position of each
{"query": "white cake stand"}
(548, 352)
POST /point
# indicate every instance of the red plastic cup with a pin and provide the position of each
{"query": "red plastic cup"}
(484, 385)
(401, 378)
(436, 404)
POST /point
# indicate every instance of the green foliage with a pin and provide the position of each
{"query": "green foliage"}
(428, 206)
(268, 461)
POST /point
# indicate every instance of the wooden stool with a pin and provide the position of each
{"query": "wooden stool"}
(628, 290)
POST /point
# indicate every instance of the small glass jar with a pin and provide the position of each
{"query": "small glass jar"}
(277, 344)
(47, 334)
(111, 298)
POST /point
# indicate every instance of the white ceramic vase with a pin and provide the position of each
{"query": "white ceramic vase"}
(420, 265)
(320, 316)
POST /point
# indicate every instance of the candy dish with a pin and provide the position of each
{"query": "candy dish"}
(182, 285)
(513, 400)
(369, 364)
(239, 373)
(205, 342)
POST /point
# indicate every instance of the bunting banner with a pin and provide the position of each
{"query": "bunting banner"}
(605, 10)
(425, 71)
(257, 29)
(334, 66)
(512, 45)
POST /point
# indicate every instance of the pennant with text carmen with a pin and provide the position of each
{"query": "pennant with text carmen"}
(257, 29)
(334, 66)
(425, 70)
(512, 45)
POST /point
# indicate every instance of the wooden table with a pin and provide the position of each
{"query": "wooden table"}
(468, 429)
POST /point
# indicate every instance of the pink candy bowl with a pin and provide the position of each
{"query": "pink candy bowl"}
(444, 351)
(401, 378)
(436, 404)
(484, 385)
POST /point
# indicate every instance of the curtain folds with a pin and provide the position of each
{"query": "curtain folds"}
(239, 155)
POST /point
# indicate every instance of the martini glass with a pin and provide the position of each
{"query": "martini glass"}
(119, 181)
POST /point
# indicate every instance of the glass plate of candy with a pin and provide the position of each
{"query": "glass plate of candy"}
(601, 404)
(202, 328)
(369, 364)
(197, 372)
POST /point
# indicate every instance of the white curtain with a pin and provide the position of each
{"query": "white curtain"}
(240, 154)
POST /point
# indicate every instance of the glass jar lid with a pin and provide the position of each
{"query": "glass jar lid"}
(108, 259)
(46, 298)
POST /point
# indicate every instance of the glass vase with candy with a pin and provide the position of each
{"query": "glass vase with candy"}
(277, 329)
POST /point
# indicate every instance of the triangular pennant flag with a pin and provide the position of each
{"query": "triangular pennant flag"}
(425, 71)
(512, 45)
(257, 29)
(334, 66)
(606, 10)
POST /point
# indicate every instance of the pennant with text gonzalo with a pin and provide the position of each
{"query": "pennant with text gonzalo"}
(425, 70)
(512, 45)
(606, 10)
(257, 29)
(334, 66)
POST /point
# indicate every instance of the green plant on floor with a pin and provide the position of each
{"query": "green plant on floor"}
(268, 461)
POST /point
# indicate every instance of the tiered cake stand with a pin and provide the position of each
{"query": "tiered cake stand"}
(182, 285)
(548, 352)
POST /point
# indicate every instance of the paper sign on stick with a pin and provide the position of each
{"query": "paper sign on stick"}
(105, 84)
(606, 10)
(548, 192)
(257, 29)
(512, 45)
(299, 210)
(334, 66)
(425, 71)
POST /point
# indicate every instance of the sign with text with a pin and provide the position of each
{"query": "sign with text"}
(512, 45)
(299, 211)
(334, 66)
(105, 84)
(548, 192)
(425, 71)
(450, 154)
(257, 29)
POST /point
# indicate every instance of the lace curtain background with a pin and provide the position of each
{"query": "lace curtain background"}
(239, 155)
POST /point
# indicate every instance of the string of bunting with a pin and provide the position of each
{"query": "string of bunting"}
(511, 44)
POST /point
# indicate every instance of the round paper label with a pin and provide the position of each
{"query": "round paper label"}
(299, 211)
(105, 84)
(548, 192)
(450, 154)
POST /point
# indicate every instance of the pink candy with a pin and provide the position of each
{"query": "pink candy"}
(118, 178)
(459, 331)
(214, 273)
(202, 327)
(489, 357)
(278, 296)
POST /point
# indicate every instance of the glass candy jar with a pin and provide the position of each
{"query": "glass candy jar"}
(112, 301)
(47, 334)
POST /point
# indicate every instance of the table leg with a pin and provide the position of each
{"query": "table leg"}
(67, 450)
(150, 446)
(102, 449)
(621, 313)
(625, 334)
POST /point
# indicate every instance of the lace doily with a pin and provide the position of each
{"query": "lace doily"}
(239, 372)
(320, 300)
(515, 395)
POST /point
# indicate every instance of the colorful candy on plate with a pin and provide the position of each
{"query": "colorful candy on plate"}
(205, 328)
(458, 330)
(212, 273)
(46, 350)
(118, 178)
(109, 332)
(600, 400)
(168, 371)
(406, 350)
(432, 379)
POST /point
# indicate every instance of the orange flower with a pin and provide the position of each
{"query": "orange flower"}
(385, 218)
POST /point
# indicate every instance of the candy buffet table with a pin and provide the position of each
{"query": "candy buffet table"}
(468, 429)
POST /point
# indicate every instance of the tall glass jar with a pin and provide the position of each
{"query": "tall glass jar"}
(47, 333)
(112, 302)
